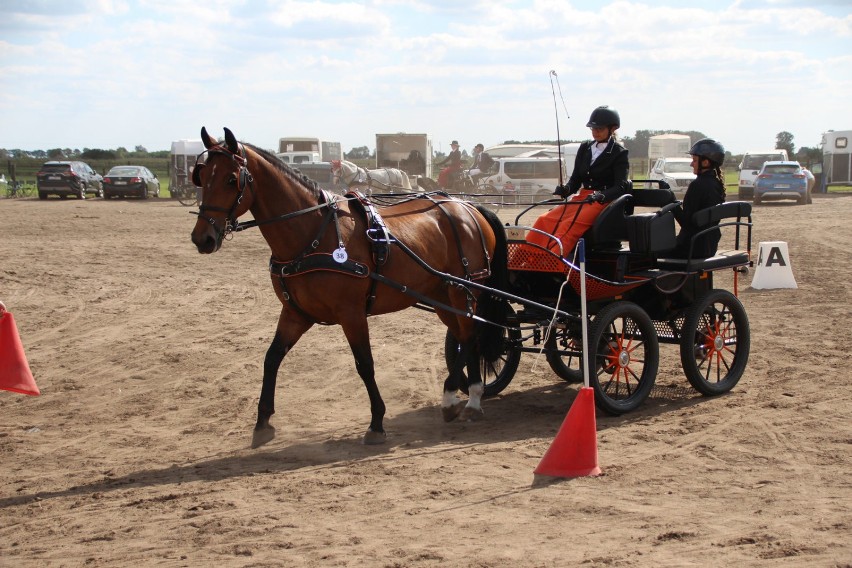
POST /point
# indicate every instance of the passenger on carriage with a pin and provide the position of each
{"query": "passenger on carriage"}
(706, 190)
(455, 165)
(600, 176)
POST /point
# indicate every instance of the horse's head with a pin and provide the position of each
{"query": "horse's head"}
(335, 171)
(223, 180)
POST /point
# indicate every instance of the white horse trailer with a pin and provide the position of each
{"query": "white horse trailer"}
(181, 161)
(411, 153)
(667, 146)
(837, 157)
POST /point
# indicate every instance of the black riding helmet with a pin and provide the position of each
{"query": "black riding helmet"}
(710, 149)
(604, 116)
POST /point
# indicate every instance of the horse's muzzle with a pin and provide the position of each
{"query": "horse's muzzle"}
(205, 240)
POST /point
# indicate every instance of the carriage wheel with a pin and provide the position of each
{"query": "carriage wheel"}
(623, 359)
(569, 368)
(715, 343)
(188, 196)
(497, 375)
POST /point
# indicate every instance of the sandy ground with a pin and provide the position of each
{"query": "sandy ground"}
(149, 359)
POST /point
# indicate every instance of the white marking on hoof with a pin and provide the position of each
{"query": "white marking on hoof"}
(450, 399)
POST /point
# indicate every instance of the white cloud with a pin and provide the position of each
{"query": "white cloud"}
(159, 69)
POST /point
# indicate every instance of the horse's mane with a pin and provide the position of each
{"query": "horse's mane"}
(291, 173)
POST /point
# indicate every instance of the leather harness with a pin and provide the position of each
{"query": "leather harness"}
(381, 240)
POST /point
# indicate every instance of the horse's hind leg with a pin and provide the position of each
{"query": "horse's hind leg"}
(451, 404)
(475, 387)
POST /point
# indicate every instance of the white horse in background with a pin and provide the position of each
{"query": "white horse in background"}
(382, 180)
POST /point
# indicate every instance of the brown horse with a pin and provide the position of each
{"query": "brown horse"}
(337, 260)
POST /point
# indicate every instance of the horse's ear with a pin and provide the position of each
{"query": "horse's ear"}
(231, 141)
(335, 164)
(208, 140)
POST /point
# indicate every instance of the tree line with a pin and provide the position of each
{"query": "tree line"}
(637, 145)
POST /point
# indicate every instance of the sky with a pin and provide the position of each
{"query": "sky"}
(113, 73)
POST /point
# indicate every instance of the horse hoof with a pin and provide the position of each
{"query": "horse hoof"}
(374, 438)
(452, 412)
(262, 436)
(472, 414)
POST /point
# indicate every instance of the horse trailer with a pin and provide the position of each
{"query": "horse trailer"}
(295, 150)
(181, 161)
(667, 146)
(411, 153)
(837, 157)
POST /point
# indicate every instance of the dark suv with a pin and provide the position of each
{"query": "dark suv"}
(68, 178)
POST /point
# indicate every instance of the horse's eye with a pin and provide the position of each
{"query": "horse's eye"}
(232, 179)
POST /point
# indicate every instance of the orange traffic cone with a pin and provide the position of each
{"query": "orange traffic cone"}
(15, 374)
(574, 451)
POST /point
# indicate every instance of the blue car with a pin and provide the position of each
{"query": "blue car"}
(782, 180)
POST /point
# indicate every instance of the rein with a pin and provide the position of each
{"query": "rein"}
(245, 179)
(305, 261)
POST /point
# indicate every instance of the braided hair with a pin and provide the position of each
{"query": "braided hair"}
(720, 177)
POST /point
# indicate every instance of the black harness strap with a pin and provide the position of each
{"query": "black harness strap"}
(317, 261)
(455, 230)
(378, 235)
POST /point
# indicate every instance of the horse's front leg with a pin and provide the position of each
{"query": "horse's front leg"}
(357, 333)
(285, 337)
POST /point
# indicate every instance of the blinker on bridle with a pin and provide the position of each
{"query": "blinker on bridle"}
(244, 179)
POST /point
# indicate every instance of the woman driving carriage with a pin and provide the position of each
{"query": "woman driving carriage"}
(599, 176)
(706, 190)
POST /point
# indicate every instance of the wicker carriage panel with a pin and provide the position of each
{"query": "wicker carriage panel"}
(523, 256)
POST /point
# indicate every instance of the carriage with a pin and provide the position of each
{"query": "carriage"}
(637, 299)
(340, 259)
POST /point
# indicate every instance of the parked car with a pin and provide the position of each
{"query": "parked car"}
(677, 172)
(68, 178)
(753, 161)
(782, 180)
(123, 181)
(524, 179)
(511, 150)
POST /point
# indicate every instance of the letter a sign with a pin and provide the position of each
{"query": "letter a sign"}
(773, 267)
(774, 257)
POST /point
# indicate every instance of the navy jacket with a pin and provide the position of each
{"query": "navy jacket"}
(607, 174)
(704, 191)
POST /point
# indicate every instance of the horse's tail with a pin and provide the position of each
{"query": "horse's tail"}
(490, 307)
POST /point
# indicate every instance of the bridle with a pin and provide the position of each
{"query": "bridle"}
(244, 180)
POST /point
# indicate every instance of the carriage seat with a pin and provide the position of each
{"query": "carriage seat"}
(653, 197)
(611, 227)
(740, 212)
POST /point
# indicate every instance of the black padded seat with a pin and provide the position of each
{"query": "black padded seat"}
(653, 197)
(708, 218)
(609, 228)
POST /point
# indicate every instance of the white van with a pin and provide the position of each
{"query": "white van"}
(525, 179)
(677, 172)
(511, 150)
(750, 167)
